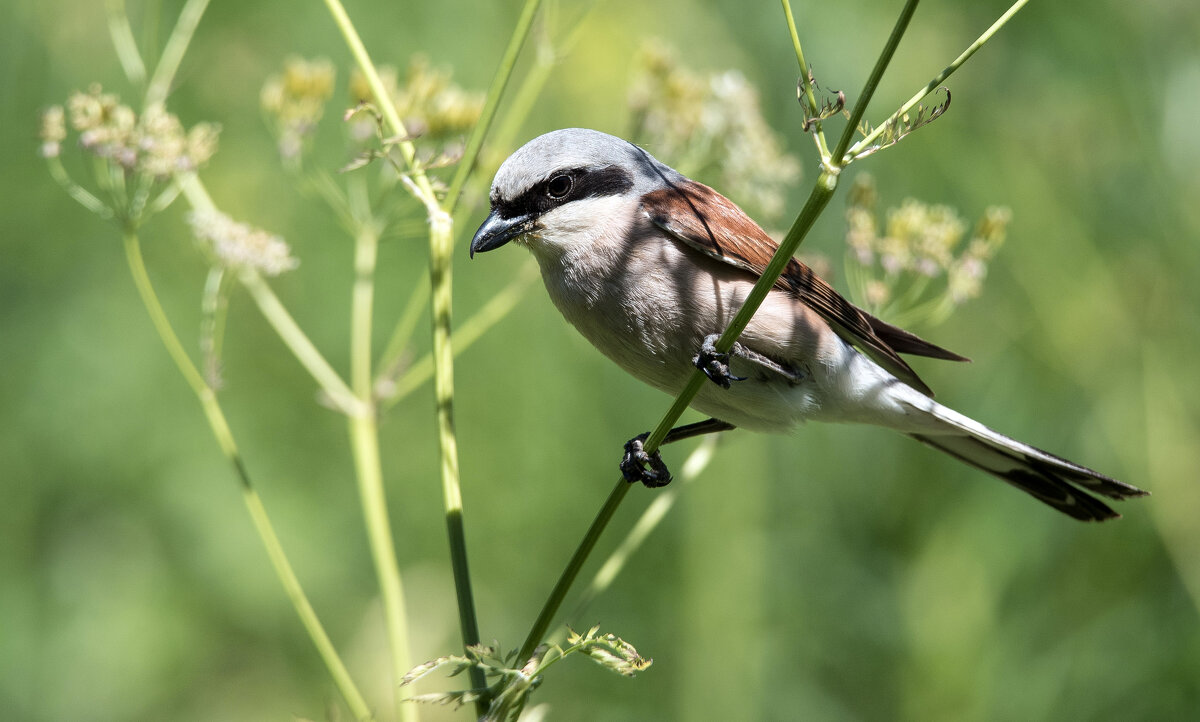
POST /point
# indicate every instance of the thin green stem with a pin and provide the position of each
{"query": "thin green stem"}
(81, 195)
(300, 345)
(818, 132)
(364, 442)
(441, 247)
(382, 100)
(497, 307)
(279, 318)
(123, 42)
(567, 578)
(258, 513)
(864, 98)
(308, 616)
(820, 196)
(490, 104)
(932, 85)
(406, 325)
(664, 500)
(177, 44)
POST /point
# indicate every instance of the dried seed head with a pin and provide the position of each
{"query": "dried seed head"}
(239, 246)
(921, 242)
(156, 144)
(712, 127)
(295, 101)
(428, 102)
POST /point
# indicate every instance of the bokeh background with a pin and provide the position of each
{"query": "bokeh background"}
(836, 574)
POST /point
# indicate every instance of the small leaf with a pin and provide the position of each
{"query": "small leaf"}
(424, 669)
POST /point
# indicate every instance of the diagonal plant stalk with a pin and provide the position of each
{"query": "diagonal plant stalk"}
(122, 37)
(497, 307)
(127, 51)
(693, 466)
(820, 196)
(254, 506)
(176, 47)
(362, 426)
(932, 85)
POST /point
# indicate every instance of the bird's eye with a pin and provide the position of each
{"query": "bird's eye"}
(559, 186)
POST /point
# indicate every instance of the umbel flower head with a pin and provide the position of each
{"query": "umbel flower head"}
(710, 128)
(238, 246)
(919, 268)
(295, 101)
(155, 144)
(428, 102)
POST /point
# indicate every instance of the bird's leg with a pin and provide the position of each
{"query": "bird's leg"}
(716, 365)
(650, 469)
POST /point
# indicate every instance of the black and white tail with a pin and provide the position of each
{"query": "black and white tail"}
(1052, 480)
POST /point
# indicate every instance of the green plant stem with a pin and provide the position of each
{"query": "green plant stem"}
(123, 42)
(441, 246)
(80, 194)
(258, 513)
(864, 98)
(172, 56)
(818, 132)
(300, 345)
(497, 307)
(406, 325)
(364, 442)
(563, 585)
(932, 85)
(820, 196)
(490, 104)
(664, 500)
(384, 102)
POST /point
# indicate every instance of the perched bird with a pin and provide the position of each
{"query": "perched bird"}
(651, 266)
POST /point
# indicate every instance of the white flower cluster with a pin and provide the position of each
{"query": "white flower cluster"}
(239, 246)
(155, 144)
(711, 127)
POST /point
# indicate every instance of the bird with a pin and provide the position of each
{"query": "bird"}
(650, 266)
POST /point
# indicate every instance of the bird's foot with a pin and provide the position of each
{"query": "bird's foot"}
(714, 364)
(637, 465)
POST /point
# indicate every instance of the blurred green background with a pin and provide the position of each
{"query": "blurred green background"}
(800, 578)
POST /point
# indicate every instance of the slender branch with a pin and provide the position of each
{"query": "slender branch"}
(497, 307)
(308, 616)
(364, 442)
(441, 247)
(491, 103)
(932, 85)
(177, 44)
(258, 513)
(80, 194)
(123, 42)
(820, 196)
(406, 325)
(864, 98)
(695, 464)
(805, 83)
(300, 345)
(382, 100)
(567, 578)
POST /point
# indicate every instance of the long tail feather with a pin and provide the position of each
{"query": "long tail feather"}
(1050, 479)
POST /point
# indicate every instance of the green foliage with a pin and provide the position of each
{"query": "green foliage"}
(134, 583)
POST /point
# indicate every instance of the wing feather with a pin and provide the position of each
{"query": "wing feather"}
(722, 231)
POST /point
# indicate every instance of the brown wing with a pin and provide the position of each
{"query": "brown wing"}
(722, 231)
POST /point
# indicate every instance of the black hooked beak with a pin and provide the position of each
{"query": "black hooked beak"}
(497, 231)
